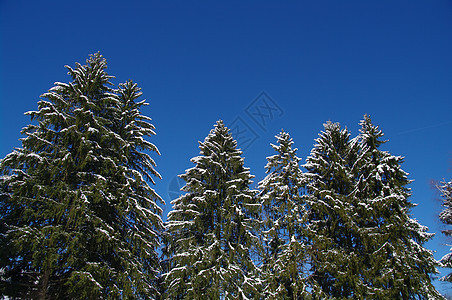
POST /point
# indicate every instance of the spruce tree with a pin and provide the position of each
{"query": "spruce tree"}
(211, 227)
(363, 242)
(81, 219)
(446, 217)
(395, 263)
(283, 218)
(142, 224)
(331, 223)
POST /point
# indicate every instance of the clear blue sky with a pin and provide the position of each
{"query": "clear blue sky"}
(201, 61)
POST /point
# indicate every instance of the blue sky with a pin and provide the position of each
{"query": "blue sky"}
(201, 61)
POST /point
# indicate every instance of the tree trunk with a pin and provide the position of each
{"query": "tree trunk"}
(43, 285)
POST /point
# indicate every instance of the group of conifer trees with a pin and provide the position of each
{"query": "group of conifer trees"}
(80, 220)
(342, 229)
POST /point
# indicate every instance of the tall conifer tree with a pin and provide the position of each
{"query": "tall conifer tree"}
(395, 263)
(211, 227)
(331, 224)
(283, 218)
(81, 220)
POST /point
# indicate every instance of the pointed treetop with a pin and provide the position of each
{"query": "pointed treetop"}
(285, 143)
(219, 137)
(333, 130)
(218, 127)
(370, 133)
(91, 77)
(329, 125)
(332, 136)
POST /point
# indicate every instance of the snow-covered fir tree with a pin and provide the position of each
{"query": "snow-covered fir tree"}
(282, 223)
(331, 223)
(81, 219)
(212, 230)
(395, 265)
(363, 243)
(446, 217)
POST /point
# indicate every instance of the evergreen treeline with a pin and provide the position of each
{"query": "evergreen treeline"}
(80, 220)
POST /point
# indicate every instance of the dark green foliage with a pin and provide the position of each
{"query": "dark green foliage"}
(363, 242)
(284, 258)
(331, 227)
(79, 219)
(82, 221)
(446, 217)
(395, 263)
(211, 228)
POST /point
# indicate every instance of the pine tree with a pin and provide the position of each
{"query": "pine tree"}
(284, 213)
(446, 217)
(331, 223)
(395, 263)
(212, 226)
(81, 219)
